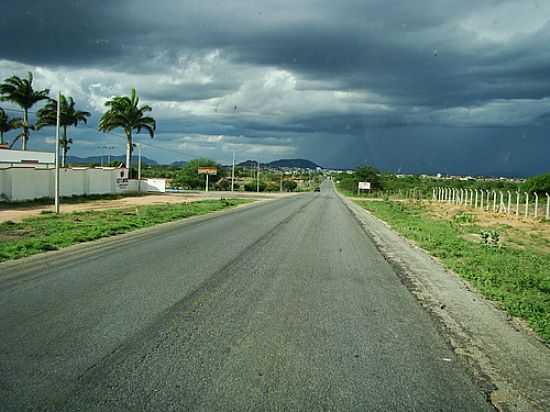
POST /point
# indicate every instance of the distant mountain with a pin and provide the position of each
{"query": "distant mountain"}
(178, 163)
(294, 163)
(282, 163)
(98, 160)
(250, 163)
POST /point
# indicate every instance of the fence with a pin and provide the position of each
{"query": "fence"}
(506, 202)
(518, 204)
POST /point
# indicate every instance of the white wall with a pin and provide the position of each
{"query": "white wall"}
(27, 156)
(154, 185)
(22, 183)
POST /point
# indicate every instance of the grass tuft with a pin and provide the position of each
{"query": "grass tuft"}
(517, 279)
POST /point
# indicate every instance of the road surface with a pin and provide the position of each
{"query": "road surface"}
(283, 306)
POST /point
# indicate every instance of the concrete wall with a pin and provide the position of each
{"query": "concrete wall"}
(154, 185)
(21, 183)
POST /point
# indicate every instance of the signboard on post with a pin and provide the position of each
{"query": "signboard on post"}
(122, 179)
(207, 170)
(364, 185)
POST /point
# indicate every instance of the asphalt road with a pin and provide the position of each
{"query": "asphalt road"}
(282, 306)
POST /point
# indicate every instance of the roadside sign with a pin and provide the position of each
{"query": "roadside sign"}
(364, 185)
(208, 170)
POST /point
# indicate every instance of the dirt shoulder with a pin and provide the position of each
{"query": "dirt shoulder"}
(512, 365)
(18, 213)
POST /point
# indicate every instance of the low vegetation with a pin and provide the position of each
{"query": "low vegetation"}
(52, 232)
(423, 185)
(504, 262)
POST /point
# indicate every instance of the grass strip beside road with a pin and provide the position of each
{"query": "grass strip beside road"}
(51, 232)
(517, 279)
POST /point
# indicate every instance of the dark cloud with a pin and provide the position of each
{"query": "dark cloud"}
(354, 72)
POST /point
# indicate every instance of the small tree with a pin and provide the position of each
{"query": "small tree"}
(289, 185)
(368, 174)
(125, 113)
(21, 92)
(189, 178)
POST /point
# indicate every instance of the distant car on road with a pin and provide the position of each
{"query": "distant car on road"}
(317, 189)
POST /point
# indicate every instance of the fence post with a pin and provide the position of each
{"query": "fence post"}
(494, 200)
(501, 202)
(477, 195)
(509, 202)
(536, 204)
(517, 203)
(547, 206)
(481, 204)
(488, 206)
(526, 204)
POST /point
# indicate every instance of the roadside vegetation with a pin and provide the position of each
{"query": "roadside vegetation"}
(52, 232)
(423, 185)
(186, 177)
(507, 262)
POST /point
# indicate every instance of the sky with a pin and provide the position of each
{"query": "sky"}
(427, 86)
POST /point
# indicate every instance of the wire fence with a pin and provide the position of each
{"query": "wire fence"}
(504, 202)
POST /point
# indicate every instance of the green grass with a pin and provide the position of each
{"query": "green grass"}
(519, 280)
(52, 232)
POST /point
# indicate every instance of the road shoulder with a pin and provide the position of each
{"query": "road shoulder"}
(512, 365)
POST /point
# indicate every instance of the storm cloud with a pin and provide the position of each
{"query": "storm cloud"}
(427, 86)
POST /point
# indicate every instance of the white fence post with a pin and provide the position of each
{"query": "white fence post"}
(526, 204)
(536, 204)
(494, 200)
(509, 202)
(517, 203)
(547, 206)
(481, 204)
(477, 198)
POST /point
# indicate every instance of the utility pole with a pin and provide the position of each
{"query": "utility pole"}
(102, 154)
(139, 160)
(139, 166)
(233, 174)
(258, 177)
(281, 184)
(206, 189)
(57, 153)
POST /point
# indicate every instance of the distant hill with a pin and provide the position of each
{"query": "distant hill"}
(97, 160)
(178, 163)
(298, 163)
(289, 163)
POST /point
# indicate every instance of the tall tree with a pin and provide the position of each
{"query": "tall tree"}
(7, 124)
(68, 116)
(125, 113)
(20, 91)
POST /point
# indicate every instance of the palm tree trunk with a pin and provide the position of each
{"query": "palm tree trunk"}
(25, 129)
(129, 152)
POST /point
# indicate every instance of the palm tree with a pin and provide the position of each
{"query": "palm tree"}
(125, 113)
(68, 116)
(7, 124)
(21, 92)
